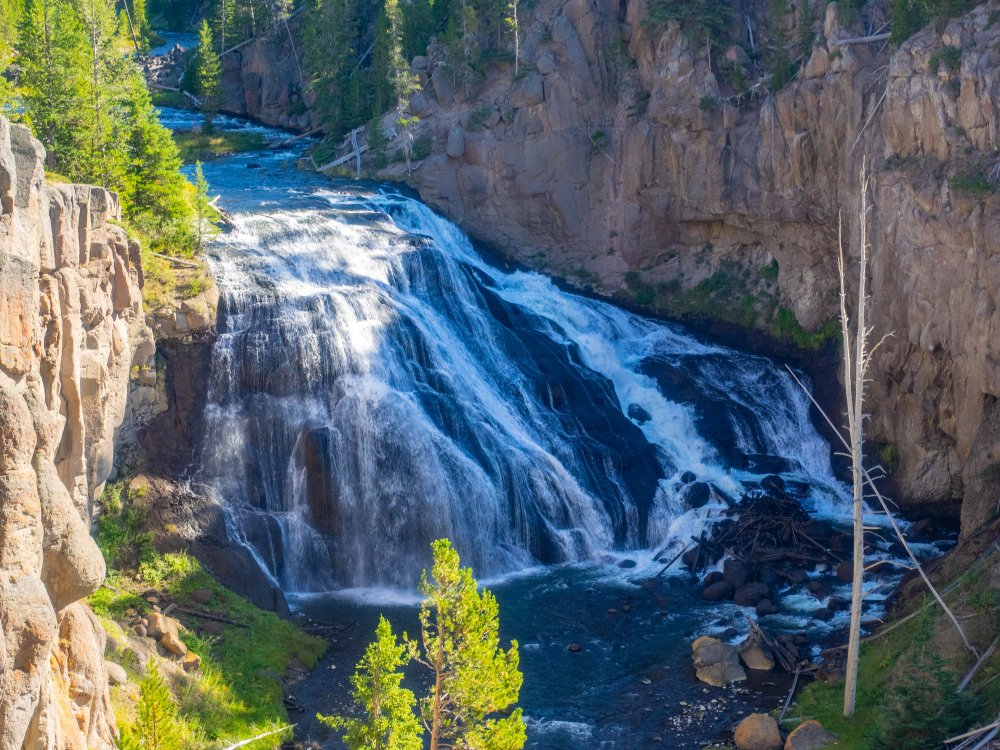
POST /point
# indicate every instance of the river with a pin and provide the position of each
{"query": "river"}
(377, 384)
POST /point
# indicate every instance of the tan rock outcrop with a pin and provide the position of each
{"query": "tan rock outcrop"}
(71, 328)
(623, 151)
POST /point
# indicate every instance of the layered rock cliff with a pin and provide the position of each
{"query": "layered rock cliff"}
(71, 330)
(624, 159)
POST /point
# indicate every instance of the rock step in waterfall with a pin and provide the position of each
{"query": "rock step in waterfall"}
(376, 385)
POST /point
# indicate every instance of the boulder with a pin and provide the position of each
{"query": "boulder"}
(845, 572)
(809, 735)
(716, 663)
(713, 577)
(190, 661)
(750, 594)
(697, 495)
(756, 655)
(172, 643)
(717, 592)
(772, 483)
(455, 146)
(157, 624)
(116, 675)
(758, 732)
(737, 572)
(201, 596)
(766, 607)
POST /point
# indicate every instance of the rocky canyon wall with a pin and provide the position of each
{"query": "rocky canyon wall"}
(628, 159)
(71, 330)
(623, 159)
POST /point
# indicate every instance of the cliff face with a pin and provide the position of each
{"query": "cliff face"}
(264, 80)
(619, 150)
(71, 328)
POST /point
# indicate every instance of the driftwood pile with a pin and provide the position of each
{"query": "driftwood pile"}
(769, 528)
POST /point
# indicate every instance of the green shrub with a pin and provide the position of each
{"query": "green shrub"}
(707, 103)
(422, 147)
(786, 327)
(698, 19)
(974, 184)
(950, 57)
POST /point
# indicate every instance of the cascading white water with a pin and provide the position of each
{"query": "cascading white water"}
(376, 385)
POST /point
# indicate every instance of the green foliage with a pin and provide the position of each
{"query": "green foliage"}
(377, 143)
(701, 20)
(770, 271)
(973, 183)
(708, 103)
(909, 16)
(157, 726)
(208, 73)
(786, 327)
(888, 457)
(924, 709)
(390, 722)
(950, 57)
(235, 694)
(198, 145)
(476, 681)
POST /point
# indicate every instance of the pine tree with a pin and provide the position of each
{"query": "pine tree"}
(404, 83)
(209, 73)
(156, 726)
(53, 59)
(390, 722)
(475, 681)
(331, 35)
(106, 67)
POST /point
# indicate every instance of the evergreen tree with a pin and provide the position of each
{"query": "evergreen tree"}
(404, 83)
(156, 726)
(475, 681)
(209, 73)
(53, 59)
(105, 70)
(331, 35)
(389, 723)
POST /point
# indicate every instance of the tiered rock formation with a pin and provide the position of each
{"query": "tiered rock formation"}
(71, 329)
(620, 149)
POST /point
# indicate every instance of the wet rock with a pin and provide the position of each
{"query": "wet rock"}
(717, 592)
(838, 603)
(758, 732)
(845, 572)
(712, 578)
(809, 735)
(824, 613)
(716, 663)
(797, 576)
(819, 589)
(750, 594)
(737, 572)
(688, 476)
(575, 648)
(627, 564)
(766, 607)
(772, 483)
(641, 416)
(697, 495)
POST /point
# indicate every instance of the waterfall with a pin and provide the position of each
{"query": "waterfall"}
(376, 384)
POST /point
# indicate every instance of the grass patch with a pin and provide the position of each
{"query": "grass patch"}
(237, 692)
(786, 327)
(197, 145)
(973, 184)
(174, 99)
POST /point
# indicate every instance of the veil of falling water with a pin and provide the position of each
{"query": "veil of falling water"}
(376, 385)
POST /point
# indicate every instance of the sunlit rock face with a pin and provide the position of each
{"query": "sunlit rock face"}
(71, 327)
